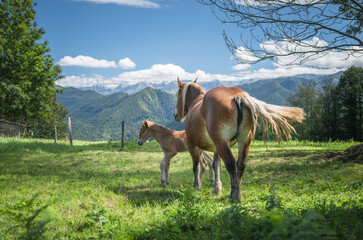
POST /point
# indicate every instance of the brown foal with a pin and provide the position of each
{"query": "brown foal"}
(171, 142)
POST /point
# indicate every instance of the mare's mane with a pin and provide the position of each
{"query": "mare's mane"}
(192, 91)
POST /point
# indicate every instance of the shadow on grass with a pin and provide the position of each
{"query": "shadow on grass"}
(194, 221)
(145, 184)
(283, 153)
(71, 173)
(20, 145)
(141, 194)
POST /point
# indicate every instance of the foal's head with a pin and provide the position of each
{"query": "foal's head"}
(144, 133)
(186, 94)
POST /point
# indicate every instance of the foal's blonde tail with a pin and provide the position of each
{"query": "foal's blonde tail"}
(269, 114)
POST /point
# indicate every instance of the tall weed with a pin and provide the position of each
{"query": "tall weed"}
(28, 221)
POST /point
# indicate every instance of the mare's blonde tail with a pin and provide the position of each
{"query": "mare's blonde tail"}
(269, 114)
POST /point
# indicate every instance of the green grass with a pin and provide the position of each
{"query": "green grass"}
(94, 191)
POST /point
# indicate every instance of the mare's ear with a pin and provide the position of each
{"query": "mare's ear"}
(195, 81)
(180, 84)
(146, 124)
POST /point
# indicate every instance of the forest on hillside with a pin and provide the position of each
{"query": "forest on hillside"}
(333, 107)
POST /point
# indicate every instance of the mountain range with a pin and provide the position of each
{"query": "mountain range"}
(171, 87)
(97, 112)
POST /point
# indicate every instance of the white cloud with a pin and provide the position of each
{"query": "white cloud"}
(84, 81)
(328, 63)
(126, 63)
(240, 67)
(90, 62)
(276, 2)
(159, 73)
(244, 55)
(166, 73)
(134, 3)
(250, 3)
(85, 61)
(156, 74)
(332, 59)
(337, 60)
(264, 73)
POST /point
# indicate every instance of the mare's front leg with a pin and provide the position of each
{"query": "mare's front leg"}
(216, 167)
(164, 168)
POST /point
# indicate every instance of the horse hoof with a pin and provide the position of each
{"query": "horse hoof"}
(235, 197)
(217, 187)
(234, 200)
(218, 191)
(197, 186)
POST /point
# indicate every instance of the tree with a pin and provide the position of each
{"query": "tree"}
(350, 94)
(44, 128)
(330, 109)
(292, 31)
(336, 111)
(306, 97)
(27, 72)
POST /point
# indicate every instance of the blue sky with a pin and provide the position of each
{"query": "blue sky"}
(126, 41)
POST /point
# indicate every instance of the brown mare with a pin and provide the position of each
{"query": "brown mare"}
(171, 142)
(217, 119)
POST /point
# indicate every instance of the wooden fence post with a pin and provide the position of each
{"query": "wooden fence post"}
(123, 135)
(55, 133)
(70, 131)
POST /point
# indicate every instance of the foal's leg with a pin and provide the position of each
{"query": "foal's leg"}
(209, 161)
(203, 165)
(164, 164)
(167, 165)
(197, 166)
(225, 153)
(217, 182)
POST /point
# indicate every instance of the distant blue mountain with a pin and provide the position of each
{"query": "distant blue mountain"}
(97, 116)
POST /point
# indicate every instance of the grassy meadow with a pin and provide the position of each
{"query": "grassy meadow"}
(94, 191)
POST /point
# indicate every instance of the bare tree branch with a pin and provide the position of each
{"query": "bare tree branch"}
(300, 29)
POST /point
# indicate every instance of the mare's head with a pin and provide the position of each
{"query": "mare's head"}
(144, 133)
(186, 94)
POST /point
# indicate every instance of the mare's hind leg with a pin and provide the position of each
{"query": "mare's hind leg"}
(225, 153)
(217, 182)
(198, 166)
(243, 149)
(164, 168)
(246, 133)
